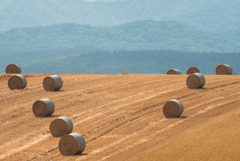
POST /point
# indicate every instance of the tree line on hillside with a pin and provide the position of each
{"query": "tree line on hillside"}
(144, 61)
(138, 35)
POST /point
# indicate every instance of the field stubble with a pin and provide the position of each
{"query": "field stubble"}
(120, 117)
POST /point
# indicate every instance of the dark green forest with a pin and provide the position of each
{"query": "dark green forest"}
(137, 47)
(137, 35)
(214, 15)
(144, 61)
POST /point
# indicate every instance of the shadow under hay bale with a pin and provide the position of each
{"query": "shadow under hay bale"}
(61, 126)
(172, 109)
(173, 71)
(192, 70)
(42, 108)
(52, 83)
(195, 81)
(71, 144)
(223, 69)
(17, 82)
(13, 68)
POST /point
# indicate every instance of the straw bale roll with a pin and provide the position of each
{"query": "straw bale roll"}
(52, 83)
(173, 108)
(223, 69)
(17, 82)
(61, 126)
(195, 80)
(173, 71)
(71, 144)
(13, 68)
(42, 108)
(192, 70)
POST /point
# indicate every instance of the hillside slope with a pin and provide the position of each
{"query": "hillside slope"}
(136, 35)
(221, 144)
(214, 15)
(120, 116)
(31, 44)
(144, 62)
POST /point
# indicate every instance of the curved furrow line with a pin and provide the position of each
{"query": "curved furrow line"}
(113, 87)
(202, 111)
(82, 90)
(148, 138)
(137, 114)
(142, 94)
(30, 103)
(70, 92)
(98, 114)
(126, 137)
(143, 97)
(31, 141)
(140, 112)
(109, 103)
(170, 126)
(120, 106)
(8, 144)
(26, 105)
(223, 85)
(32, 86)
(29, 86)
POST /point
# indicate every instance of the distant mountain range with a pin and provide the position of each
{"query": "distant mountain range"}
(137, 35)
(33, 45)
(214, 15)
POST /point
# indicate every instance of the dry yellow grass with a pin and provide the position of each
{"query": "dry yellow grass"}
(121, 117)
(217, 139)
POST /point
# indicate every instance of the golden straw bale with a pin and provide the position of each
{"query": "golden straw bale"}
(13, 68)
(71, 144)
(223, 69)
(42, 108)
(173, 71)
(192, 70)
(61, 126)
(195, 80)
(173, 108)
(17, 82)
(52, 83)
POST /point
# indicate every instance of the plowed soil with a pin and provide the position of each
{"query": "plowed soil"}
(120, 116)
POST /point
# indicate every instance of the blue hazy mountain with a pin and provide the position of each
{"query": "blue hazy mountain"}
(214, 15)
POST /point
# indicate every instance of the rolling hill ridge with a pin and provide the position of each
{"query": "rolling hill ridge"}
(136, 35)
(39, 49)
(214, 15)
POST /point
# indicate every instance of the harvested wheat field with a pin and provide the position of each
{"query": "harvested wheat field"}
(121, 118)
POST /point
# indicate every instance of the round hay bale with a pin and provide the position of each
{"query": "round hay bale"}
(195, 80)
(223, 69)
(173, 71)
(61, 126)
(52, 83)
(71, 144)
(192, 70)
(13, 68)
(173, 108)
(17, 82)
(43, 107)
